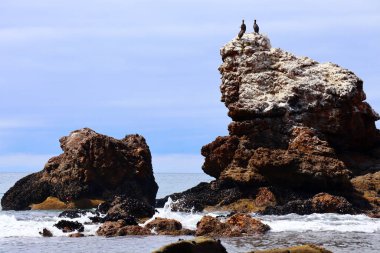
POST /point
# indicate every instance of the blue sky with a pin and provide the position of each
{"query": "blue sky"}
(150, 67)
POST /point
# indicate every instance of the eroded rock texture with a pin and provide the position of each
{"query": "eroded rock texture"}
(92, 167)
(298, 128)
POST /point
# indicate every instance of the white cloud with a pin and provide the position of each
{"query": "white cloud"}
(177, 163)
(25, 33)
(12, 123)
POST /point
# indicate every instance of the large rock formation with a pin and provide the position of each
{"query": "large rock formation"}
(91, 169)
(299, 127)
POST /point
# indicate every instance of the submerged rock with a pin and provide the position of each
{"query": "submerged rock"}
(198, 245)
(308, 248)
(76, 235)
(91, 169)
(46, 232)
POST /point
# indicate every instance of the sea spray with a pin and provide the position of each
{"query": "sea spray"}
(188, 220)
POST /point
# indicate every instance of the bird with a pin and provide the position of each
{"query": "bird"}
(243, 28)
(255, 27)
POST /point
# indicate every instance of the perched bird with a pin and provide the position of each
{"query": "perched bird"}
(243, 28)
(255, 27)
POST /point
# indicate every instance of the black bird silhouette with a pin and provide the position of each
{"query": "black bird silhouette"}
(255, 27)
(243, 28)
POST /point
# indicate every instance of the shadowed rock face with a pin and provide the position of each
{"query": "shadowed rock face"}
(92, 166)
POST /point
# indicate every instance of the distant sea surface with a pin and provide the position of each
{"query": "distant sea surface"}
(338, 233)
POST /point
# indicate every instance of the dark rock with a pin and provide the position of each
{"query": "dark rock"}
(92, 168)
(320, 203)
(104, 207)
(69, 226)
(46, 233)
(302, 207)
(129, 220)
(72, 214)
(122, 207)
(203, 195)
(198, 245)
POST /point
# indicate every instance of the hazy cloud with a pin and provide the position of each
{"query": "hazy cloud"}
(23, 162)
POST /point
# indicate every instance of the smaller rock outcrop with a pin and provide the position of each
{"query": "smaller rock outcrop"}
(121, 228)
(92, 168)
(308, 248)
(367, 193)
(198, 245)
(110, 228)
(236, 225)
(163, 226)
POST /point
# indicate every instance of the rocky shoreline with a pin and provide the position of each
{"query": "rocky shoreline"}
(302, 140)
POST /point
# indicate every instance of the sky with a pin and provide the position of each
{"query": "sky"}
(150, 67)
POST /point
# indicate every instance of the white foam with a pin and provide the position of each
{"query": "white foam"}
(188, 220)
(322, 222)
(29, 224)
(291, 222)
(17, 227)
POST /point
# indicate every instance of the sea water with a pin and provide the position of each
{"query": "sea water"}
(19, 230)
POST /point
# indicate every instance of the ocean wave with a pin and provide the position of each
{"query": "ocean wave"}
(30, 223)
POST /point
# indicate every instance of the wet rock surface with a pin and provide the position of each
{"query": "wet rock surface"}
(92, 168)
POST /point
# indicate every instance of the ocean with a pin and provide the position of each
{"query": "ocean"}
(338, 233)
